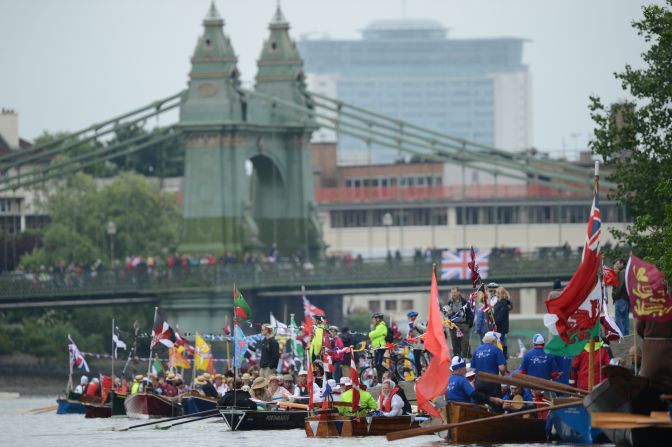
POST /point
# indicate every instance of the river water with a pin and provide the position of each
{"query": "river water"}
(73, 430)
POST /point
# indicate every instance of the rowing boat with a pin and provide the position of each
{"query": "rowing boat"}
(336, 426)
(509, 430)
(238, 419)
(70, 404)
(151, 406)
(572, 425)
(198, 404)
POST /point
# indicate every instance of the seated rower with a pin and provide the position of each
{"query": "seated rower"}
(389, 403)
(366, 401)
(169, 388)
(520, 394)
(237, 398)
(259, 390)
(94, 388)
(137, 382)
(277, 392)
(301, 388)
(83, 383)
(407, 405)
(461, 390)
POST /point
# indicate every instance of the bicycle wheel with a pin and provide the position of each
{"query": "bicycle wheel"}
(405, 369)
(368, 376)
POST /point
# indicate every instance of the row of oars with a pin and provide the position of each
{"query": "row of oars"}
(40, 410)
(521, 380)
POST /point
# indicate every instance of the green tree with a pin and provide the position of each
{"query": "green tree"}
(147, 222)
(76, 147)
(635, 137)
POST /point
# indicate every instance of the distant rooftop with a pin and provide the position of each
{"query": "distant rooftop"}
(405, 29)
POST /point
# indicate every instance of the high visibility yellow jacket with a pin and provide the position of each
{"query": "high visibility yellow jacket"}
(316, 343)
(378, 334)
(366, 402)
(135, 387)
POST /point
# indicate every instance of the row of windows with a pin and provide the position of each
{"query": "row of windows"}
(471, 215)
(385, 182)
(390, 305)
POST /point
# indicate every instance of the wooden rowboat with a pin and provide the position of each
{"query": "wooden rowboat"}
(151, 406)
(241, 419)
(95, 407)
(70, 404)
(335, 426)
(509, 430)
(198, 404)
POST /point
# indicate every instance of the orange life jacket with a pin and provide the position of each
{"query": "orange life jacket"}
(386, 405)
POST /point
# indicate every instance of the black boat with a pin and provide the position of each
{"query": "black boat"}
(238, 419)
(624, 392)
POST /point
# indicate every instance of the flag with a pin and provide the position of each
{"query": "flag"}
(240, 307)
(610, 276)
(117, 341)
(354, 377)
(456, 265)
(310, 386)
(295, 345)
(76, 357)
(157, 367)
(162, 334)
(572, 317)
(435, 379)
(227, 326)
(188, 350)
(473, 266)
(239, 345)
(611, 329)
(280, 327)
(309, 310)
(202, 354)
(649, 297)
(176, 359)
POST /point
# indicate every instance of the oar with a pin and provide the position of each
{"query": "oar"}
(32, 410)
(394, 436)
(494, 378)
(543, 402)
(611, 420)
(200, 413)
(549, 383)
(166, 427)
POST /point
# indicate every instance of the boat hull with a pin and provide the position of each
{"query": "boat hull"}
(67, 406)
(333, 426)
(118, 401)
(498, 431)
(150, 406)
(240, 419)
(623, 392)
(572, 425)
(198, 404)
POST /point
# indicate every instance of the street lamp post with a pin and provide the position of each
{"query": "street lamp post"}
(111, 231)
(387, 222)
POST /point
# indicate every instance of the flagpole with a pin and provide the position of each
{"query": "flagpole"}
(70, 359)
(149, 362)
(193, 369)
(235, 323)
(114, 352)
(591, 343)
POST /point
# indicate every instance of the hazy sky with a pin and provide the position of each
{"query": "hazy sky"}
(70, 63)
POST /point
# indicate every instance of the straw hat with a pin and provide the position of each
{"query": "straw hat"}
(199, 381)
(206, 376)
(171, 377)
(218, 376)
(246, 376)
(258, 383)
(139, 377)
(276, 378)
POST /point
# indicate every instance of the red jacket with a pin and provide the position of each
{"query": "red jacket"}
(92, 389)
(580, 367)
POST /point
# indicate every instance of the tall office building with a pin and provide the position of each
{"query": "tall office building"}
(477, 89)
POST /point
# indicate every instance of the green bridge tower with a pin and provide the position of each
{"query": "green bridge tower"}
(227, 208)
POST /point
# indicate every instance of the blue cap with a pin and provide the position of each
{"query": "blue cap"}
(412, 314)
(538, 339)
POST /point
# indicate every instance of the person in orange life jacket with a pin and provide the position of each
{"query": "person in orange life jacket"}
(407, 405)
(389, 403)
(580, 365)
(460, 388)
(94, 387)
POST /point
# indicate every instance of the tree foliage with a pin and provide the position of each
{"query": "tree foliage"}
(147, 222)
(635, 137)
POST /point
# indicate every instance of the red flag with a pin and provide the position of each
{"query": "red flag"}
(354, 377)
(435, 379)
(162, 334)
(648, 293)
(179, 341)
(475, 275)
(610, 276)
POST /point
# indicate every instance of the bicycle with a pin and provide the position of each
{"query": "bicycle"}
(401, 367)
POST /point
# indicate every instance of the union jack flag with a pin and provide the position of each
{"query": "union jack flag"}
(455, 265)
(594, 226)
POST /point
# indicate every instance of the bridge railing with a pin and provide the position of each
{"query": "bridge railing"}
(344, 273)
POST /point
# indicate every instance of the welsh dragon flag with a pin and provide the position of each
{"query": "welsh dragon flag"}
(240, 306)
(574, 316)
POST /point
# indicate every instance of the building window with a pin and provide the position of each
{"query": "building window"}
(374, 305)
(406, 304)
(390, 304)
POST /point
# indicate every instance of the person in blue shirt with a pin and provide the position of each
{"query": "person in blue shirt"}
(538, 363)
(525, 394)
(461, 390)
(490, 359)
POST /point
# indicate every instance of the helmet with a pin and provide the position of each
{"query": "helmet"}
(412, 314)
(493, 285)
(319, 317)
(376, 315)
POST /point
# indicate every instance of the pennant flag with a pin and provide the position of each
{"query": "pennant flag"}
(649, 297)
(239, 345)
(573, 315)
(240, 306)
(435, 379)
(456, 265)
(610, 276)
(76, 357)
(202, 354)
(280, 327)
(117, 341)
(310, 310)
(162, 334)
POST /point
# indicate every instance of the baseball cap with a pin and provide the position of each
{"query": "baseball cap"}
(457, 363)
(538, 339)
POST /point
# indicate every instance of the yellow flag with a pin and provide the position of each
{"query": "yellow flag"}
(176, 358)
(202, 354)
